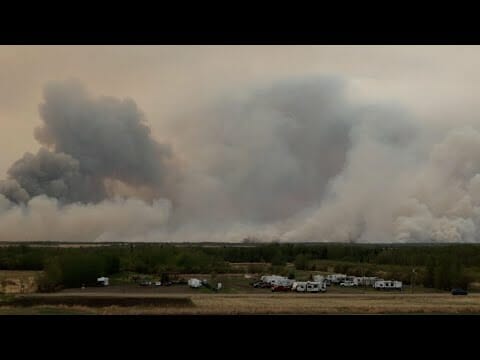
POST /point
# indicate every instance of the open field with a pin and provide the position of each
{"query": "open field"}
(261, 303)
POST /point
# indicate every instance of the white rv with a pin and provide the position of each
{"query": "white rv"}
(194, 283)
(309, 286)
(319, 278)
(276, 280)
(367, 280)
(102, 281)
(282, 282)
(336, 278)
(387, 285)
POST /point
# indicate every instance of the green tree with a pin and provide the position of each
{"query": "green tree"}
(429, 278)
(301, 262)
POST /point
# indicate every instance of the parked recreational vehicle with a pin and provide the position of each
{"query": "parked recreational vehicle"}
(102, 281)
(315, 286)
(319, 278)
(388, 285)
(194, 283)
(269, 278)
(282, 282)
(367, 280)
(336, 278)
(309, 286)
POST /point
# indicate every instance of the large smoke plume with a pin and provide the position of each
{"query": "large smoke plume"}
(297, 161)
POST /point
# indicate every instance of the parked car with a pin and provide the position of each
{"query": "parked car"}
(459, 292)
(145, 283)
(348, 283)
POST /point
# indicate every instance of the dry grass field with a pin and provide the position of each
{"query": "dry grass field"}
(278, 303)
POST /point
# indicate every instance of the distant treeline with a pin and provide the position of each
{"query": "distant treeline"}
(436, 266)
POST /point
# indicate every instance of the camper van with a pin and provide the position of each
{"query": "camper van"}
(388, 285)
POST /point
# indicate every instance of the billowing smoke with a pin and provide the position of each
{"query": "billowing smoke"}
(44, 219)
(265, 156)
(91, 141)
(297, 161)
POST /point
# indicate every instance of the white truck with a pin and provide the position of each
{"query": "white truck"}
(387, 285)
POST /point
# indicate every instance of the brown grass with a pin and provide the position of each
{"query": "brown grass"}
(239, 304)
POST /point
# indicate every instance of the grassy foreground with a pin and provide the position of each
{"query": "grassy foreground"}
(239, 304)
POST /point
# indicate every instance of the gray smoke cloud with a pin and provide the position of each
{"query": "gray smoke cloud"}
(263, 157)
(299, 160)
(91, 141)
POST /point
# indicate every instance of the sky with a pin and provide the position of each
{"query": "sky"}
(331, 116)
(433, 81)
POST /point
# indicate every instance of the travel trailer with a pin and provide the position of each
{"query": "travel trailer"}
(336, 278)
(102, 281)
(194, 283)
(388, 285)
(309, 286)
(367, 280)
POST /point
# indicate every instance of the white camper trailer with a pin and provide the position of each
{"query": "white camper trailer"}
(367, 280)
(299, 286)
(270, 279)
(282, 282)
(388, 285)
(194, 283)
(319, 278)
(309, 286)
(316, 286)
(102, 281)
(336, 278)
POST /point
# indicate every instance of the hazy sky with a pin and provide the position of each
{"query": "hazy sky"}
(439, 83)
